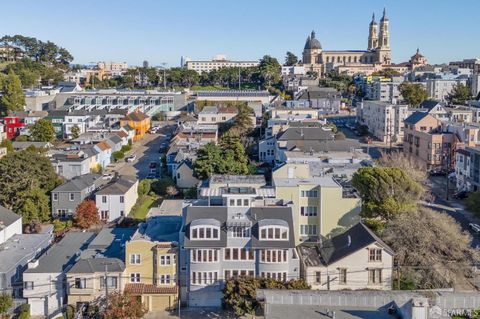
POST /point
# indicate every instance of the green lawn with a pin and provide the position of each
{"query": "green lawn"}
(141, 208)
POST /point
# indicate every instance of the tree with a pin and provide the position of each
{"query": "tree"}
(340, 136)
(13, 98)
(6, 302)
(86, 214)
(42, 131)
(75, 131)
(144, 187)
(239, 293)
(388, 73)
(290, 59)
(472, 203)
(124, 306)
(430, 248)
(459, 95)
(7, 144)
(34, 206)
(408, 164)
(386, 191)
(413, 93)
(269, 70)
(171, 191)
(243, 120)
(118, 155)
(161, 186)
(207, 161)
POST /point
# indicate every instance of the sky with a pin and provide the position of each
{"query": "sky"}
(162, 31)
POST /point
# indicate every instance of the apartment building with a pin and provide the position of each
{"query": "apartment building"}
(218, 62)
(152, 262)
(384, 120)
(439, 89)
(236, 229)
(321, 203)
(474, 177)
(355, 259)
(462, 170)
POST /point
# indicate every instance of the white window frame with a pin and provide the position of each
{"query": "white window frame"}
(204, 278)
(203, 255)
(281, 229)
(205, 229)
(239, 254)
(268, 255)
(165, 260)
(71, 196)
(135, 277)
(239, 273)
(55, 196)
(136, 258)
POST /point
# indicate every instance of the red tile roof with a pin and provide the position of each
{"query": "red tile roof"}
(139, 289)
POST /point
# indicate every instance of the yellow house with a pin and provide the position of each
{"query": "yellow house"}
(151, 263)
(320, 204)
(139, 122)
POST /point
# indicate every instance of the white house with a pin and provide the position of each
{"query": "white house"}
(117, 198)
(462, 170)
(356, 259)
(10, 224)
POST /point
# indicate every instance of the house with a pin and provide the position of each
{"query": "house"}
(66, 197)
(86, 281)
(460, 114)
(57, 117)
(138, 121)
(474, 178)
(321, 203)
(30, 117)
(16, 252)
(355, 259)
(10, 224)
(427, 143)
(12, 125)
(105, 151)
(74, 162)
(152, 262)
(462, 170)
(183, 177)
(20, 146)
(115, 142)
(44, 280)
(216, 115)
(116, 199)
(325, 100)
(434, 108)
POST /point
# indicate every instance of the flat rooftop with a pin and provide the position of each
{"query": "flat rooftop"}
(160, 228)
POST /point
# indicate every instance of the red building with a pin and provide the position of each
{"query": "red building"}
(12, 125)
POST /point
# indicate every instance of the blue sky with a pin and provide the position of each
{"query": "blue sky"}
(162, 31)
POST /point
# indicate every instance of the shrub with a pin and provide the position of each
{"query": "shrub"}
(61, 225)
(70, 312)
(126, 148)
(118, 155)
(6, 302)
(160, 186)
(24, 311)
(144, 187)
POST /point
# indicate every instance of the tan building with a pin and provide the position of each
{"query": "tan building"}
(356, 259)
(215, 115)
(114, 67)
(427, 143)
(320, 204)
(151, 263)
(218, 62)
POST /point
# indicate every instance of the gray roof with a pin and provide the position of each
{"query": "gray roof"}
(160, 228)
(115, 139)
(24, 145)
(341, 246)
(209, 110)
(169, 207)
(323, 145)
(93, 265)
(307, 133)
(237, 179)
(117, 187)
(7, 217)
(319, 94)
(63, 254)
(109, 242)
(78, 183)
(429, 104)
(312, 42)
(415, 117)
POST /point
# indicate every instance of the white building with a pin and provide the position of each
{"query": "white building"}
(356, 259)
(439, 89)
(218, 62)
(386, 91)
(384, 120)
(117, 198)
(10, 224)
(475, 85)
(114, 67)
(462, 170)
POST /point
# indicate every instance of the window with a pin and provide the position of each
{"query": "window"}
(112, 282)
(310, 193)
(308, 210)
(375, 255)
(104, 214)
(205, 232)
(274, 233)
(239, 272)
(122, 199)
(80, 283)
(204, 277)
(134, 259)
(375, 276)
(72, 197)
(274, 256)
(134, 277)
(165, 260)
(318, 277)
(165, 279)
(239, 232)
(55, 196)
(308, 230)
(232, 202)
(204, 255)
(342, 276)
(104, 199)
(238, 254)
(281, 276)
(28, 285)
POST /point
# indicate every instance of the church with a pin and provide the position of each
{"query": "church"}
(376, 57)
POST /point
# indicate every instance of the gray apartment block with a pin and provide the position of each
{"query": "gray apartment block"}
(66, 197)
(223, 242)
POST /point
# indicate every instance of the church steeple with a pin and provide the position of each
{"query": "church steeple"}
(372, 34)
(384, 17)
(384, 36)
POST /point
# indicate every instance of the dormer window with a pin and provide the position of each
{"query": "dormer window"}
(206, 229)
(273, 233)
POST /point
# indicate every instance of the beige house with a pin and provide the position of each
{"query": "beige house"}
(215, 115)
(86, 279)
(356, 259)
(320, 204)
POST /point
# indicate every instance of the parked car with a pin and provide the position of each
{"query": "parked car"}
(437, 173)
(153, 165)
(460, 195)
(107, 176)
(130, 158)
(474, 227)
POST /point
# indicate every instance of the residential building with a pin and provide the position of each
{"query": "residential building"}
(195, 134)
(66, 197)
(216, 115)
(386, 91)
(467, 134)
(355, 259)
(460, 114)
(44, 280)
(152, 262)
(30, 117)
(218, 62)
(10, 224)
(12, 126)
(384, 120)
(475, 85)
(184, 176)
(321, 203)
(139, 121)
(104, 156)
(115, 67)
(474, 178)
(10, 53)
(462, 170)
(439, 89)
(427, 143)
(116, 199)
(74, 163)
(21, 146)
(472, 64)
(57, 117)
(326, 100)
(434, 108)
(16, 252)
(234, 95)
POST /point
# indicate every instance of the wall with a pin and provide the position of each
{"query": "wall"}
(12, 229)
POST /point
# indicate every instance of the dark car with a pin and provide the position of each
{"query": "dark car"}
(437, 173)
(460, 195)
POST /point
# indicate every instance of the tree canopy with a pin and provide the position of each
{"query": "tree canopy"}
(386, 191)
(86, 214)
(42, 131)
(290, 59)
(387, 72)
(413, 93)
(123, 305)
(13, 98)
(460, 94)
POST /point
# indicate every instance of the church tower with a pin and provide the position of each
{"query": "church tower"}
(383, 49)
(372, 35)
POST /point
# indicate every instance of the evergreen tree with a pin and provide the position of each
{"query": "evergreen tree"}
(290, 59)
(13, 98)
(42, 131)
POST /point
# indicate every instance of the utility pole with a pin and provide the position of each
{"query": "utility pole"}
(447, 169)
(106, 285)
(164, 77)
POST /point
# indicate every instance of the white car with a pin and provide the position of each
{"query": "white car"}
(107, 176)
(130, 158)
(474, 227)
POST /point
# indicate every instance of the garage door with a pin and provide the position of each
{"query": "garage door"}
(205, 298)
(159, 302)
